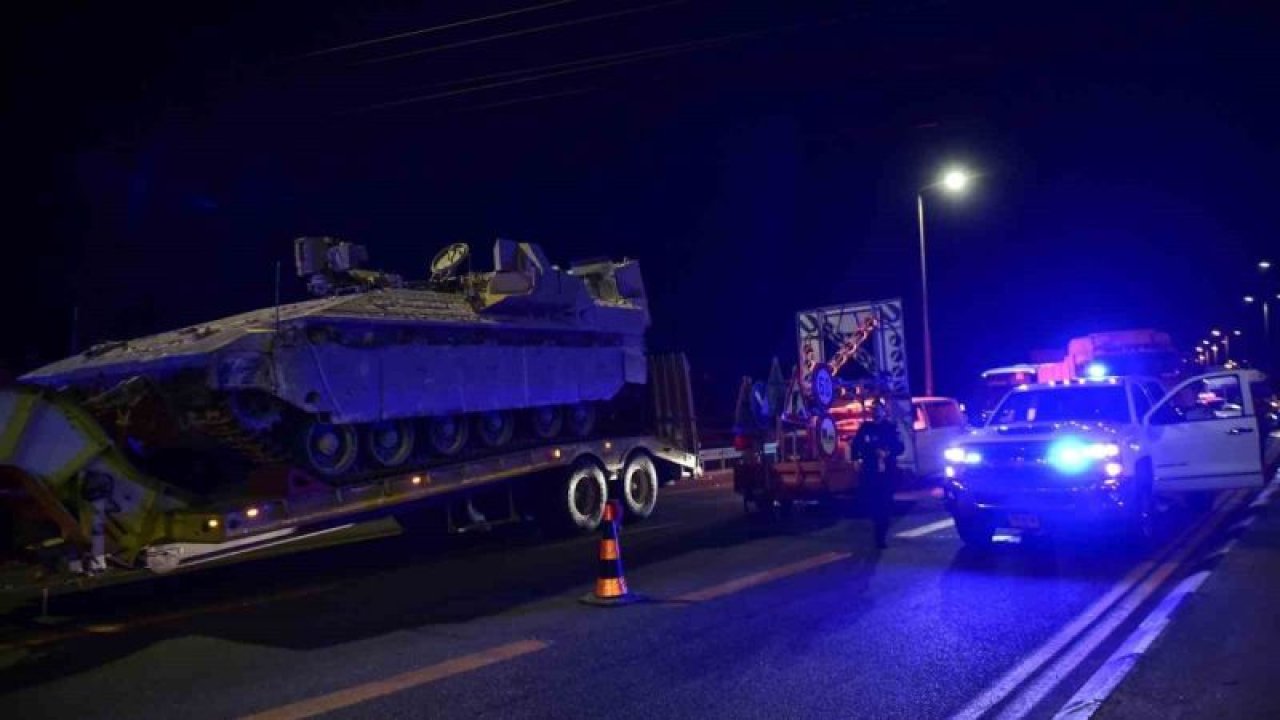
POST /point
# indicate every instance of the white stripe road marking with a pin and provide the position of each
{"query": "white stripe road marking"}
(1034, 694)
(929, 529)
(1010, 681)
(1264, 497)
(1090, 697)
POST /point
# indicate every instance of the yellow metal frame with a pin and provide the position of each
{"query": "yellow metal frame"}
(59, 493)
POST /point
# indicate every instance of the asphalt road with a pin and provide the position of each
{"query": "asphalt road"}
(798, 618)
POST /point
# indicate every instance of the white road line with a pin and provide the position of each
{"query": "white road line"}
(929, 529)
(1090, 697)
(1265, 496)
(1016, 676)
(1039, 689)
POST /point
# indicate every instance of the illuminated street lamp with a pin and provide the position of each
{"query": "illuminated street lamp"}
(1264, 264)
(953, 181)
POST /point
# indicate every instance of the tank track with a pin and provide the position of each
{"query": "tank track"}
(259, 448)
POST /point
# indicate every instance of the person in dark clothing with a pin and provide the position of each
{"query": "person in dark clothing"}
(877, 445)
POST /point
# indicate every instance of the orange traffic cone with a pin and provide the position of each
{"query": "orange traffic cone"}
(611, 581)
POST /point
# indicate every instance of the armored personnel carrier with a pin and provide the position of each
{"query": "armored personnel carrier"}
(377, 370)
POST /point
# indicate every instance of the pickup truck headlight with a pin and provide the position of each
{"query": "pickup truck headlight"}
(1072, 455)
(960, 455)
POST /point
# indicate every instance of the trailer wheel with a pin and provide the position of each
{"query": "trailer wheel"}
(578, 506)
(639, 487)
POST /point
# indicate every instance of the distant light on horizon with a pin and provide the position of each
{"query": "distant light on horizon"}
(1248, 298)
(1264, 264)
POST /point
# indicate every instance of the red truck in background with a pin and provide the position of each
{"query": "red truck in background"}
(1119, 352)
(1144, 352)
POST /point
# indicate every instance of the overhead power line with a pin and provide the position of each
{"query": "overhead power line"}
(573, 67)
(502, 83)
(525, 99)
(518, 33)
(641, 54)
(434, 29)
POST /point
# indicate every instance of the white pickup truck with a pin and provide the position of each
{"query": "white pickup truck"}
(1094, 453)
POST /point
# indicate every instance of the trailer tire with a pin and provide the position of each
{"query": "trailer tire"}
(638, 487)
(577, 507)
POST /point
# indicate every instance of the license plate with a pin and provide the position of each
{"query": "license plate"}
(1024, 521)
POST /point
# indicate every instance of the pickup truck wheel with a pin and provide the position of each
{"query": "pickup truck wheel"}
(1201, 502)
(1142, 516)
(639, 487)
(974, 531)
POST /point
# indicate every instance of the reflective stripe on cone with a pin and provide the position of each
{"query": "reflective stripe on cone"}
(611, 582)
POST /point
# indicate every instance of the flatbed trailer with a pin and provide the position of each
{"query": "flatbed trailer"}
(109, 522)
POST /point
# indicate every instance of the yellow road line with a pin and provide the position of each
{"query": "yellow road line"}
(399, 683)
(760, 578)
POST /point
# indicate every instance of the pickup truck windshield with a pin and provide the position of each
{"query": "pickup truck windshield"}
(1087, 403)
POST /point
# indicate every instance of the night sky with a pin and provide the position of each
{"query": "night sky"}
(761, 158)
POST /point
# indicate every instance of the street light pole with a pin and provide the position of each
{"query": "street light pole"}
(924, 298)
(953, 181)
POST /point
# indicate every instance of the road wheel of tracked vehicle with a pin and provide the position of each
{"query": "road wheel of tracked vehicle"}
(496, 428)
(448, 435)
(329, 449)
(582, 419)
(390, 442)
(547, 422)
(639, 487)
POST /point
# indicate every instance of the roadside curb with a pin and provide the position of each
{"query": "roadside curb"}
(1098, 688)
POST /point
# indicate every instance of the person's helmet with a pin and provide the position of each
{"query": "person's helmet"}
(879, 410)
